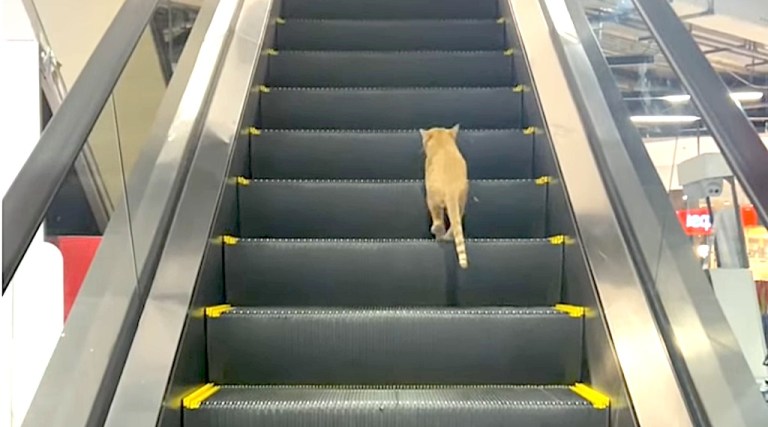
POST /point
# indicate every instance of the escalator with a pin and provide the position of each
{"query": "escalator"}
(339, 307)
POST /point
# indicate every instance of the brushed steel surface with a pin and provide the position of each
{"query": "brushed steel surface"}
(140, 394)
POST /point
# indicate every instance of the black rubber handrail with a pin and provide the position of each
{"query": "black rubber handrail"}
(29, 197)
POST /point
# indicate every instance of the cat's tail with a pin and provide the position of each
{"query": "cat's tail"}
(454, 215)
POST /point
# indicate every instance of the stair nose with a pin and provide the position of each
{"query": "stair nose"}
(391, 9)
(452, 406)
(394, 346)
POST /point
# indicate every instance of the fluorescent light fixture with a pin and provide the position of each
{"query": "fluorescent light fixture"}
(736, 96)
(746, 96)
(676, 99)
(664, 119)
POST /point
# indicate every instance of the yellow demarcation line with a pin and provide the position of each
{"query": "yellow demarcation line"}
(272, 52)
(509, 52)
(196, 398)
(519, 88)
(529, 131)
(571, 310)
(241, 180)
(229, 240)
(217, 310)
(501, 21)
(254, 131)
(280, 21)
(543, 180)
(263, 89)
(597, 399)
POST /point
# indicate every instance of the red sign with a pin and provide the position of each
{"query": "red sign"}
(698, 222)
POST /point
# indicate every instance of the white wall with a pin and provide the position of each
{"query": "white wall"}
(31, 311)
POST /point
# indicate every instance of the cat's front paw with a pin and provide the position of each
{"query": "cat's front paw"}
(438, 230)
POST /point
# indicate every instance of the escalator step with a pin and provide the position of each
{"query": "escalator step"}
(291, 154)
(456, 406)
(390, 9)
(390, 69)
(391, 272)
(301, 34)
(384, 209)
(387, 108)
(495, 345)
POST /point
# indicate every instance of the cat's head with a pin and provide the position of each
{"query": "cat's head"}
(438, 135)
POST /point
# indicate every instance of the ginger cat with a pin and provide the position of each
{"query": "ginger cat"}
(447, 185)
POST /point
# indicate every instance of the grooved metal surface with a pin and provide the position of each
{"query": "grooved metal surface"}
(391, 35)
(487, 406)
(386, 108)
(394, 346)
(390, 69)
(384, 209)
(391, 272)
(390, 9)
(292, 154)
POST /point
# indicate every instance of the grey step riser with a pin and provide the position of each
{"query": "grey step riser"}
(393, 348)
(429, 69)
(495, 209)
(336, 155)
(390, 9)
(390, 35)
(496, 108)
(420, 273)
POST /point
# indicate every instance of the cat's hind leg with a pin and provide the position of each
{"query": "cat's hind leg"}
(436, 212)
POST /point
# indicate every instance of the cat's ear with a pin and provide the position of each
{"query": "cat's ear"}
(455, 130)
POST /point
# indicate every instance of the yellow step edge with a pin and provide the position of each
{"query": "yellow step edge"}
(561, 239)
(544, 180)
(229, 240)
(254, 131)
(571, 310)
(272, 52)
(597, 399)
(263, 89)
(501, 21)
(217, 310)
(509, 52)
(241, 180)
(195, 399)
(280, 21)
(519, 88)
(529, 131)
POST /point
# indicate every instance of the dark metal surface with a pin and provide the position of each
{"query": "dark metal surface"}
(291, 154)
(384, 209)
(391, 9)
(38, 181)
(391, 272)
(374, 108)
(735, 135)
(392, 35)
(390, 69)
(394, 346)
(402, 407)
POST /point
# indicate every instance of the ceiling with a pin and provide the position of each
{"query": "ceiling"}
(737, 50)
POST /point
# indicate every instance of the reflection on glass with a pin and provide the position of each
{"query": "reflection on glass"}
(713, 211)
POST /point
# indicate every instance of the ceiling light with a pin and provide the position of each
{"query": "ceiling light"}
(736, 96)
(664, 119)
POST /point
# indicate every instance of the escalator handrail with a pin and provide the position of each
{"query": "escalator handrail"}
(733, 133)
(32, 191)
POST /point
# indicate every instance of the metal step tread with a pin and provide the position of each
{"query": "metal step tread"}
(395, 345)
(389, 34)
(361, 208)
(390, 107)
(404, 406)
(391, 9)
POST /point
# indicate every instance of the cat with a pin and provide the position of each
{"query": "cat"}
(447, 186)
